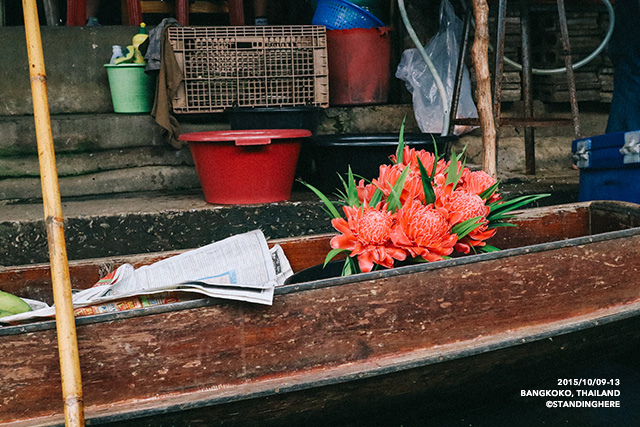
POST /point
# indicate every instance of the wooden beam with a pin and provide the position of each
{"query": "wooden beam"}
(480, 56)
(65, 319)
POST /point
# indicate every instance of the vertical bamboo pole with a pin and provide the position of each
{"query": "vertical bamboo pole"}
(480, 55)
(65, 321)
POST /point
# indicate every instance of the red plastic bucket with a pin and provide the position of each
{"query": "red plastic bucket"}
(359, 65)
(246, 166)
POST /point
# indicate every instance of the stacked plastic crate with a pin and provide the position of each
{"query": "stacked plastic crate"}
(257, 66)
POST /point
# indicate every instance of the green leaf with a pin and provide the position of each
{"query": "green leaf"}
(427, 186)
(452, 169)
(342, 197)
(342, 194)
(489, 248)
(486, 194)
(435, 151)
(463, 164)
(511, 204)
(376, 198)
(350, 267)
(500, 224)
(333, 212)
(400, 149)
(499, 210)
(367, 180)
(332, 253)
(343, 182)
(352, 191)
(435, 167)
(396, 191)
(465, 227)
(453, 176)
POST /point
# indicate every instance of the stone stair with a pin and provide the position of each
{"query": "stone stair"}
(98, 151)
(126, 190)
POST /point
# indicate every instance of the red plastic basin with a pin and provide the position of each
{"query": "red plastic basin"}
(246, 166)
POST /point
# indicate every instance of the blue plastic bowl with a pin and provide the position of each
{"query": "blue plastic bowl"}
(343, 15)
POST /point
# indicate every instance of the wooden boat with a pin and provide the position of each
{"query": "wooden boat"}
(565, 289)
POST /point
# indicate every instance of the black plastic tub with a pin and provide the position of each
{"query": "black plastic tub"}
(274, 118)
(324, 157)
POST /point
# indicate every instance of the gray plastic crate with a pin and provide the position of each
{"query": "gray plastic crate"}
(257, 66)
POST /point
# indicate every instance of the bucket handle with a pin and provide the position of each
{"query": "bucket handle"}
(252, 141)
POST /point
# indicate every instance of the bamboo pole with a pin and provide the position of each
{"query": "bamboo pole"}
(480, 55)
(65, 321)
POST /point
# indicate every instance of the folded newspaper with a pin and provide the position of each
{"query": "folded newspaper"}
(241, 267)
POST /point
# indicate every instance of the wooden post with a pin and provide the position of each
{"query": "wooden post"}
(76, 13)
(65, 321)
(480, 56)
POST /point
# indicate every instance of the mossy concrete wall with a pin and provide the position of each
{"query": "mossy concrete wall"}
(74, 59)
(98, 151)
(105, 158)
(103, 153)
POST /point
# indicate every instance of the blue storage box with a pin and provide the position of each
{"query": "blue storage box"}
(609, 166)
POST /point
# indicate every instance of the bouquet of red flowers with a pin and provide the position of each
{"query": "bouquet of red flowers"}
(420, 208)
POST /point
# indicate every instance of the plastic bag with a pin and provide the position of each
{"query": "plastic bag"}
(443, 50)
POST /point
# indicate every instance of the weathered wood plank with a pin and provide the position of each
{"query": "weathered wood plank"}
(534, 226)
(417, 329)
(230, 349)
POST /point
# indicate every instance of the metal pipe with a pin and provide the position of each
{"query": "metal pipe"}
(527, 95)
(457, 86)
(499, 64)
(441, 90)
(582, 62)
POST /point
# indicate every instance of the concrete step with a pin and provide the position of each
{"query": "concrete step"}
(149, 223)
(145, 222)
(109, 153)
(103, 154)
(126, 190)
(95, 154)
(100, 152)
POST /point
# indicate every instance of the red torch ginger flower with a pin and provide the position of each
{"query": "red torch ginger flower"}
(366, 233)
(387, 178)
(412, 188)
(365, 191)
(466, 205)
(410, 158)
(423, 231)
(438, 209)
(477, 182)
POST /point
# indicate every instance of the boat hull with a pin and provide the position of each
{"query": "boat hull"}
(344, 346)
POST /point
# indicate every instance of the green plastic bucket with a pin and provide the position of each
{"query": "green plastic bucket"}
(131, 88)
